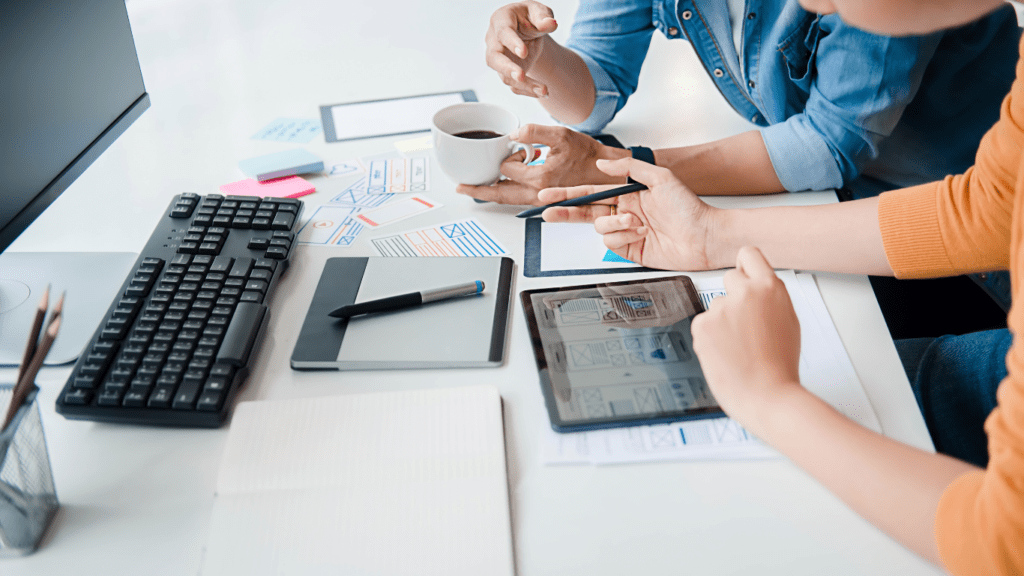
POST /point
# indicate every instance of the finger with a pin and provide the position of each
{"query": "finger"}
(734, 282)
(638, 170)
(517, 158)
(499, 61)
(504, 192)
(753, 264)
(512, 41)
(542, 17)
(540, 134)
(617, 223)
(560, 194)
(576, 214)
(618, 241)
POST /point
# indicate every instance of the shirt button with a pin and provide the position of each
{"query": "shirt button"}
(751, 84)
(751, 16)
(673, 31)
(686, 14)
(718, 73)
(754, 118)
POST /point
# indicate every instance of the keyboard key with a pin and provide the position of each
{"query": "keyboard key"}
(276, 252)
(210, 401)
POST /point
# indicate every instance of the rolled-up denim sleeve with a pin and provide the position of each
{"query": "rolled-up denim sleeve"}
(612, 38)
(861, 86)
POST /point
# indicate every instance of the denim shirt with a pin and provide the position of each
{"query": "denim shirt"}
(837, 106)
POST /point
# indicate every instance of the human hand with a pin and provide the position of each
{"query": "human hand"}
(570, 162)
(515, 41)
(666, 226)
(748, 342)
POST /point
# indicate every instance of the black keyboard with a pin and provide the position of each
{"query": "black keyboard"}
(176, 344)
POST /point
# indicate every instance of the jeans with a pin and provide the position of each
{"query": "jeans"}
(954, 379)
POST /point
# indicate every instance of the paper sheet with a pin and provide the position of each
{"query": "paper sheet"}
(459, 238)
(295, 130)
(407, 207)
(331, 225)
(393, 483)
(825, 370)
(395, 175)
(588, 250)
(356, 195)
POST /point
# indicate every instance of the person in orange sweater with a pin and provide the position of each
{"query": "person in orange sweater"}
(967, 518)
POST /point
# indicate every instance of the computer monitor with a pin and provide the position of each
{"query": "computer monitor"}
(71, 84)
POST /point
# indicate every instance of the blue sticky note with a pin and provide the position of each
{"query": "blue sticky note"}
(281, 164)
(295, 130)
(613, 257)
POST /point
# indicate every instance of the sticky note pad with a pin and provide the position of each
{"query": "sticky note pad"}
(291, 187)
(281, 164)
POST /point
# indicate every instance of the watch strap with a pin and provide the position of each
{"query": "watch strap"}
(641, 153)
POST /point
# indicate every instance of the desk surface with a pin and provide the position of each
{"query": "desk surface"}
(137, 500)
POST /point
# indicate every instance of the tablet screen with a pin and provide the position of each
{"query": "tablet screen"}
(618, 354)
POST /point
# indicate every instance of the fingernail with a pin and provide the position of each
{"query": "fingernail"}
(521, 52)
(601, 161)
(624, 219)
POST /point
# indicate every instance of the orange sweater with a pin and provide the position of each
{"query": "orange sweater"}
(971, 223)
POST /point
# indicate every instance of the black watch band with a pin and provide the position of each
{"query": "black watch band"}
(641, 153)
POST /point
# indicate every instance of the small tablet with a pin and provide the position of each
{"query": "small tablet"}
(618, 354)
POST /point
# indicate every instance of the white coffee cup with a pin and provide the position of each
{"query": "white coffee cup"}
(476, 161)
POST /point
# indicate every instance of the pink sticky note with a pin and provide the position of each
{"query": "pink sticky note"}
(290, 187)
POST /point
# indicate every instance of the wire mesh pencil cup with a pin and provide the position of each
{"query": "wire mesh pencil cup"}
(28, 500)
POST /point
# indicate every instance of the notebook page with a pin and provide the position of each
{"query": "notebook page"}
(391, 483)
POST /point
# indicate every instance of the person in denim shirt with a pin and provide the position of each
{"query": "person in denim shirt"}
(837, 107)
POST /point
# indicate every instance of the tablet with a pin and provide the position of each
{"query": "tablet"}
(618, 353)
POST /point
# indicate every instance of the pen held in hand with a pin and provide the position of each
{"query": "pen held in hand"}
(408, 300)
(584, 200)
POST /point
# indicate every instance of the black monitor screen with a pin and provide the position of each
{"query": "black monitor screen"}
(70, 82)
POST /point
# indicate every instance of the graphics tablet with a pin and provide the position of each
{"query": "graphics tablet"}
(618, 353)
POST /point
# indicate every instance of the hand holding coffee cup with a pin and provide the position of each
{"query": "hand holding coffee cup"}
(472, 139)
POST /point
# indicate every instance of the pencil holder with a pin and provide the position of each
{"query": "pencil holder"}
(28, 501)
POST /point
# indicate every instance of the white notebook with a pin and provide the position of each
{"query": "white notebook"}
(392, 483)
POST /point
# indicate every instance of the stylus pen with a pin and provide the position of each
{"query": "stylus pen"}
(410, 299)
(588, 199)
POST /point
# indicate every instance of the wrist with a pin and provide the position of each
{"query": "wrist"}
(723, 239)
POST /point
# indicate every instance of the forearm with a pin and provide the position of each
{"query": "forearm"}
(894, 486)
(739, 164)
(570, 88)
(843, 237)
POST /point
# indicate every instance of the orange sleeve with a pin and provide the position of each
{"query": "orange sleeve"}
(975, 222)
(962, 223)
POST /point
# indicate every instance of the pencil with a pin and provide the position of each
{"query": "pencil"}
(588, 199)
(33, 335)
(26, 383)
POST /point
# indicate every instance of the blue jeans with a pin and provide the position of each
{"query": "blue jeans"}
(954, 379)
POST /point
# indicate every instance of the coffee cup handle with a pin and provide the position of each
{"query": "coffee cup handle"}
(517, 146)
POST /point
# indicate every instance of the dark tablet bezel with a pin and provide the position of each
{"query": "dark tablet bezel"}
(547, 388)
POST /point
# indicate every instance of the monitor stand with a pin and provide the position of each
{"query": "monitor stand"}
(91, 279)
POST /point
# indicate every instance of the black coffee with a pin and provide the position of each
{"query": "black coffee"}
(478, 134)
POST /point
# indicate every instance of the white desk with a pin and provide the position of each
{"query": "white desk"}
(137, 500)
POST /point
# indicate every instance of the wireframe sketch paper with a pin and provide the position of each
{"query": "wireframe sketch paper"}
(393, 483)
(464, 238)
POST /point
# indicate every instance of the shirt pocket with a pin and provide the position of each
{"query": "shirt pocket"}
(799, 49)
